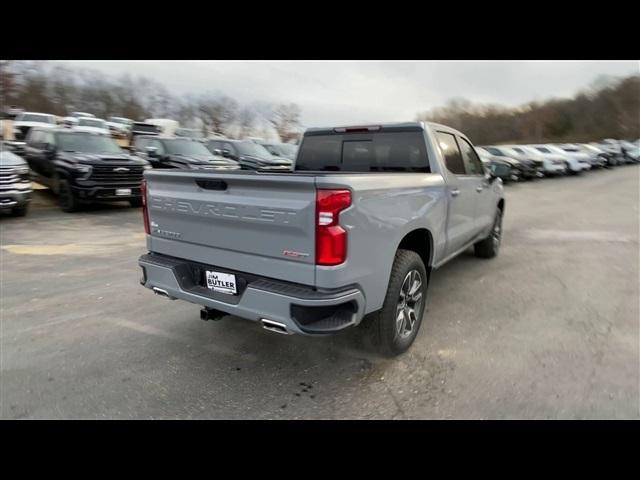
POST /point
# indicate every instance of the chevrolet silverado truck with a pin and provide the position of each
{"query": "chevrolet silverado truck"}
(351, 234)
(83, 167)
(15, 183)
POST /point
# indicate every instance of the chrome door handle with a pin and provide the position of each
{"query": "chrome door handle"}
(479, 189)
(455, 192)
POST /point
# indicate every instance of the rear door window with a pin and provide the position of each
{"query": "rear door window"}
(451, 153)
(472, 164)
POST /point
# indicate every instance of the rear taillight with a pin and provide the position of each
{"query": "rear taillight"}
(145, 210)
(331, 238)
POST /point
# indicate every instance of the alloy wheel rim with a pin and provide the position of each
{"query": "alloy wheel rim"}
(496, 233)
(409, 304)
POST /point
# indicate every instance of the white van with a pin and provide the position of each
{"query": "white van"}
(167, 125)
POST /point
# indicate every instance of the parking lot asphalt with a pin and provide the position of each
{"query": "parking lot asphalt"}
(548, 329)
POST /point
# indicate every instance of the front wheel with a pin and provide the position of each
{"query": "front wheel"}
(488, 248)
(68, 201)
(397, 324)
(567, 169)
(20, 211)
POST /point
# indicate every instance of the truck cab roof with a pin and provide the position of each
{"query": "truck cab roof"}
(380, 127)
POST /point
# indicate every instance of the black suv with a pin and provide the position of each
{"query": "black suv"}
(83, 167)
(249, 155)
(184, 153)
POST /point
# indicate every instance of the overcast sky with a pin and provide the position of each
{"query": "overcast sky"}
(349, 92)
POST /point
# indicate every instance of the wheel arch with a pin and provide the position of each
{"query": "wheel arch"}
(419, 240)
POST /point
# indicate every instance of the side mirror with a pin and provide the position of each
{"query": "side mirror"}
(226, 153)
(217, 151)
(499, 170)
(50, 148)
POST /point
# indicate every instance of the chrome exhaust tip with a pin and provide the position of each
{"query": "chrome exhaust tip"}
(276, 327)
(161, 292)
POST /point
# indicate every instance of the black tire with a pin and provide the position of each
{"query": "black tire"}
(385, 326)
(568, 170)
(136, 202)
(68, 201)
(489, 247)
(20, 211)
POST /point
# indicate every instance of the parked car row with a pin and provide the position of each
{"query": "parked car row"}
(82, 163)
(524, 162)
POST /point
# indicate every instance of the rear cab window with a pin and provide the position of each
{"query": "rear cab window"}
(368, 151)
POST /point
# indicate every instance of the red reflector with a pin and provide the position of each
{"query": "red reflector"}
(145, 211)
(357, 129)
(331, 238)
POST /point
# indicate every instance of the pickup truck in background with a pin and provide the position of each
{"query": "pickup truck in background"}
(83, 167)
(15, 183)
(351, 234)
(177, 152)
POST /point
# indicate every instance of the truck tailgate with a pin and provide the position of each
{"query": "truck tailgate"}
(256, 223)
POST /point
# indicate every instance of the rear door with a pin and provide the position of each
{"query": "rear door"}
(461, 227)
(48, 167)
(484, 204)
(34, 150)
(255, 223)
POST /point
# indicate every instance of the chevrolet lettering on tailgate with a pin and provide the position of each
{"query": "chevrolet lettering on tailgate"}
(241, 212)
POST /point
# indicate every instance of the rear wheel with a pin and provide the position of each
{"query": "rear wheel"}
(397, 323)
(68, 201)
(489, 247)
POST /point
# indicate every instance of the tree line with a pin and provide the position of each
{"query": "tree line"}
(608, 108)
(57, 89)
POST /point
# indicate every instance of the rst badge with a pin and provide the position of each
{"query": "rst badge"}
(293, 254)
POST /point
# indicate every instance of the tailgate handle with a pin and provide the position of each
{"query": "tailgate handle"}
(212, 184)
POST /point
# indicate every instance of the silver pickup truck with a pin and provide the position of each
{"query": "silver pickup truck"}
(352, 233)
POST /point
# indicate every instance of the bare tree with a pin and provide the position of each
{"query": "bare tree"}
(608, 108)
(246, 121)
(8, 86)
(217, 112)
(285, 118)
